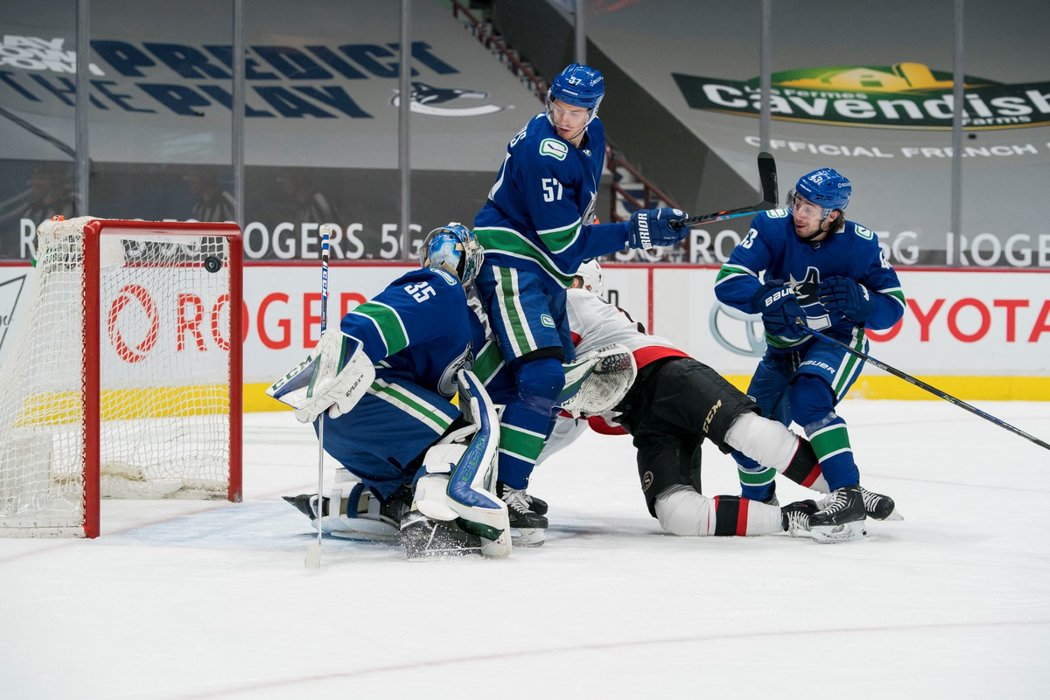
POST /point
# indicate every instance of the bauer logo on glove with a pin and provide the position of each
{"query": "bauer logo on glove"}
(332, 378)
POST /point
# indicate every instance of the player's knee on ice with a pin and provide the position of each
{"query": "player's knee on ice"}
(684, 512)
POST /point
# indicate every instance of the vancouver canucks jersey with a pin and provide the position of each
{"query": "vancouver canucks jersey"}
(545, 191)
(773, 248)
(418, 328)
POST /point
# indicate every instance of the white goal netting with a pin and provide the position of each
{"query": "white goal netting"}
(154, 420)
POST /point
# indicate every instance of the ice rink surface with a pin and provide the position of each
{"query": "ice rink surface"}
(183, 599)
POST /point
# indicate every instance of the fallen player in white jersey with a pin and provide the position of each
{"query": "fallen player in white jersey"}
(673, 404)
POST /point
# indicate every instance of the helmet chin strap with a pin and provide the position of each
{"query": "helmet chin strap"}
(820, 230)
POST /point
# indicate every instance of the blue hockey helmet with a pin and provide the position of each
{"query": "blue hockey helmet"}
(453, 248)
(824, 187)
(578, 85)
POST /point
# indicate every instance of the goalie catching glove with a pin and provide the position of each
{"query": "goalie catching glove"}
(596, 382)
(332, 378)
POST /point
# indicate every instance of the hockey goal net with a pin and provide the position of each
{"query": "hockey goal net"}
(125, 378)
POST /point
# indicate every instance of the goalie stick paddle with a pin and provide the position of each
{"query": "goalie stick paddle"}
(922, 385)
(767, 177)
(313, 552)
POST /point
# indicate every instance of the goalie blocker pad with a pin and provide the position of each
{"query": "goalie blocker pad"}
(460, 477)
(332, 378)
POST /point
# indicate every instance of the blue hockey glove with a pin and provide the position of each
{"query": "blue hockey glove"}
(780, 310)
(649, 228)
(785, 321)
(847, 297)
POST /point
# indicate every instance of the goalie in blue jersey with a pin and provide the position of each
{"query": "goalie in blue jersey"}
(807, 265)
(385, 379)
(536, 230)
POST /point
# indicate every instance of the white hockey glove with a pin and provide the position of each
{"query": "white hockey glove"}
(598, 381)
(332, 378)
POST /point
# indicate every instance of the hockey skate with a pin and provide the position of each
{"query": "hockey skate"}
(425, 538)
(527, 525)
(840, 518)
(879, 506)
(795, 517)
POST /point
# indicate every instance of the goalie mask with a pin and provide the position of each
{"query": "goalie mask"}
(453, 248)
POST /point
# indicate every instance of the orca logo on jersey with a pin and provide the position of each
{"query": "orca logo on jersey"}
(441, 102)
(118, 319)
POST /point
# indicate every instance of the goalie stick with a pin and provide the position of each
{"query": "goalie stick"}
(767, 177)
(313, 552)
(922, 385)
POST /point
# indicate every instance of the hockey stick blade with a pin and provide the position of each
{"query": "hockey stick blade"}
(922, 385)
(767, 177)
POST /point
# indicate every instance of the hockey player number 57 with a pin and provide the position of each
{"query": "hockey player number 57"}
(552, 189)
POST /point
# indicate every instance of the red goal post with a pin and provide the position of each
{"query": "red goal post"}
(126, 377)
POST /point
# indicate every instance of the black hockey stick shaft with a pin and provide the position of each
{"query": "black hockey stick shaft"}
(767, 177)
(922, 385)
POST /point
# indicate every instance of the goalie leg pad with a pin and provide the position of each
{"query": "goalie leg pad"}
(356, 515)
(460, 479)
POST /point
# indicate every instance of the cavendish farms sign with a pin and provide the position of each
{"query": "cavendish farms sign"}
(904, 95)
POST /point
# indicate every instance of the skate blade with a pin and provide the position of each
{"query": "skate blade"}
(831, 534)
(528, 536)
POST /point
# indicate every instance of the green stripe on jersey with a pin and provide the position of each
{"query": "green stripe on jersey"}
(507, 291)
(412, 405)
(509, 242)
(728, 271)
(830, 441)
(520, 443)
(488, 362)
(897, 295)
(851, 365)
(388, 322)
(560, 239)
(761, 478)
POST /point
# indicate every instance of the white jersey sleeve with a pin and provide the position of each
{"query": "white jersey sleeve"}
(596, 324)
